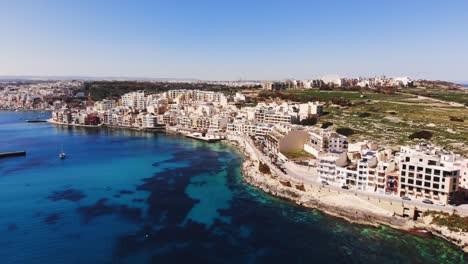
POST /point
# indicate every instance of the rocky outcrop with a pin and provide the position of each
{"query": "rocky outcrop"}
(312, 198)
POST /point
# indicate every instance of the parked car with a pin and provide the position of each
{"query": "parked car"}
(455, 202)
(439, 203)
(427, 201)
(346, 187)
(324, 183)
(406, 198)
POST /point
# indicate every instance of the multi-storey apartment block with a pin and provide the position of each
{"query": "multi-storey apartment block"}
(424, 174)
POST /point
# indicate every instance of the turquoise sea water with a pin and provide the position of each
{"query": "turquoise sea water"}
(133, 197)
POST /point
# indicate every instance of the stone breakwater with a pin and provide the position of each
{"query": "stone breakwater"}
(347, 206)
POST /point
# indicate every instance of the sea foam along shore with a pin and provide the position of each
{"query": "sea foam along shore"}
(352, 208)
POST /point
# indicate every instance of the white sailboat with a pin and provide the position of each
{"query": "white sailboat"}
(62, 154)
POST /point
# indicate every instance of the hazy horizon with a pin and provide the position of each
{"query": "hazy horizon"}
(136, 78)
(265, 40)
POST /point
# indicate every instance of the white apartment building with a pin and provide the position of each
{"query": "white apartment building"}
(310, 108)
(263, 129)
(424, 174)
(346, 175)
(240, 126)
(135, 100)
(104, 105)
(323, 140)
(278, 118)
(367, 172)
(219, 123)
(147, 120)
(327, 167)
(197, 96)
(331, 80)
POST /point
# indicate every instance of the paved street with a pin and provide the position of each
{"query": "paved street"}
(302, 174)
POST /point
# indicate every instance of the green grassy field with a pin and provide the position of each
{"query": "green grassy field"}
(391, 123)
(351, 95)
(298, 154)
(449, 96)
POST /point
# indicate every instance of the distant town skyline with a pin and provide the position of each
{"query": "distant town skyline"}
(261, 40)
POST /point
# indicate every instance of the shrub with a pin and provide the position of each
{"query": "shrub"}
(310, 121)
(456, 119)
(327, 125)
(421, 135)
(453, 222)
(345, 131)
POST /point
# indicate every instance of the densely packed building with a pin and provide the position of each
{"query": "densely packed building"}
(40, 95)
(421, 172)
(337, 81)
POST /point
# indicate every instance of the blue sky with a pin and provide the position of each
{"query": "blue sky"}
(235, 39)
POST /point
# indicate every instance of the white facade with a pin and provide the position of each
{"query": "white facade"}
(134, 100)
(327, 167)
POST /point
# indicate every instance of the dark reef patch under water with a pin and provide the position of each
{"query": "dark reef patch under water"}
(12, 227)
(67, 194)
(140, 197)
(52, 218)
(101, 208)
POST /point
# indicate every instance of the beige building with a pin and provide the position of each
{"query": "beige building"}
(424, 174)
(284, 139)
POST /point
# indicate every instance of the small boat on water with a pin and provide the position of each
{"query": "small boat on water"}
(62, 154)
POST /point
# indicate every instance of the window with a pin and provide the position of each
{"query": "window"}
(436, 172)
(436, 193)
(432, 162)
(426, 191)
(436, 186)
(410, 181)
(427, 178)
(436, 179)
(407, 159)
(411, 168)
(427, 184)
(419, 183)
(404, 166)
(403, 173)
(428, 171)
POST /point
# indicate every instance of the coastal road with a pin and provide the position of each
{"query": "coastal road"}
(296, 173)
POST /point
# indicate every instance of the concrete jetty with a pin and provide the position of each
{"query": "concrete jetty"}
(36, 121)
(12, 154)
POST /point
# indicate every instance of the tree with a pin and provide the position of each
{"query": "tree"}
(310, 121)
(326, 125)
(345, 131)
(421, 135)
(364, 114)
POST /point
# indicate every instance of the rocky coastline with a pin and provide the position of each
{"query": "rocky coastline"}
(354, 210)
(348, 207)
